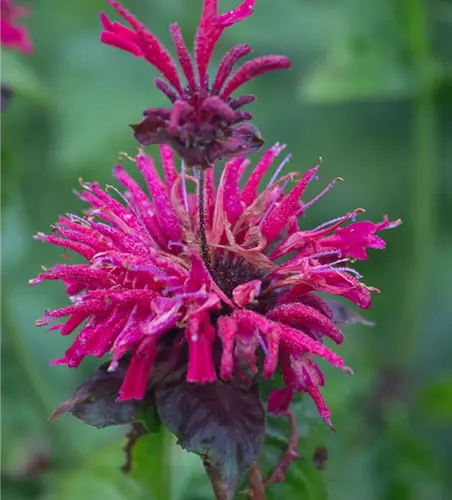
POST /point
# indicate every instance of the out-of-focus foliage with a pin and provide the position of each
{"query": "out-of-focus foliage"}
(371, 92)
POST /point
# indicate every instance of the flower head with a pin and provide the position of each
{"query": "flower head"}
(13, 35)
(205, 122)
(143, 287)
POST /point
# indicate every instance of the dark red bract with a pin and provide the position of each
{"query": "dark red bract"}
(205, 122)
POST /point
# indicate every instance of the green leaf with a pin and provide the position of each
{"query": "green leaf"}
(223, 423)
(98, 477)
(303, 478)
(21, 79)
(435, 399)
(151, 465)
(8, 177)
(348, 74)
(149, 416)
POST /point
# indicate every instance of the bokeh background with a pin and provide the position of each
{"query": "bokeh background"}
(370, 92)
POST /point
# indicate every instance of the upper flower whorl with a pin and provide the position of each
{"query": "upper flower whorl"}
(204, 123)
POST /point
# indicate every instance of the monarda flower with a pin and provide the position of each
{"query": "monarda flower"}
(247, 309)
(205, 122)
(14, 36)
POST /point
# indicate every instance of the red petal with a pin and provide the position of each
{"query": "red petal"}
(253, 68)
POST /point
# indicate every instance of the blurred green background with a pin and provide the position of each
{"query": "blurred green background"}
(370, 92)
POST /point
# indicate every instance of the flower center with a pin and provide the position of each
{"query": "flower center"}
(228, 274)
(232, 273)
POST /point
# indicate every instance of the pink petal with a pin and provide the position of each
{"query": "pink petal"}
(227, 63)
(231, 197)
(279, 400)
(183, 55)
(171, 174)
(227, 331)
(200, 336)
(296, 341)
(152, 50)
(246, 293)
(280, 215)
(299, 315)
(165, 212)
(253, 68)
(138, 372)
(250, 190)
(323, 410)
(387, 224)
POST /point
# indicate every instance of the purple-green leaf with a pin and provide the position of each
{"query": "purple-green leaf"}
(221, 422)
(95, 401)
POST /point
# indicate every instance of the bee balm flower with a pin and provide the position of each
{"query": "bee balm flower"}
(13, 35)
(253, 307)
(205, 123)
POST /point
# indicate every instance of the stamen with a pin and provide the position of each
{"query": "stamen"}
(329, 266)
(272, 204)
(190, 295)
(347, 370)
(135, 213)
(126, 201)
(339, 270)
(261, 341)
(154, 270)
(349, 270)
(152, 240)
(176, 244)
(326, 254)
(77, 218)
(86, 185)
(278, 170)
(327, 223)
(351, 215)
(94, 212)
(322, 193)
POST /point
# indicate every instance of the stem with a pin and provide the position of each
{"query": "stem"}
(221, 487)
(395, 386)
(36, 385)
(26, 363)
(204, 246)
(290, 455)
(137, 430)
(424, 183)
(257, 486)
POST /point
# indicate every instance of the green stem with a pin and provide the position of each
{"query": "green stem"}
(423, 183)
(36, 384)
(422, 211)
(26, 363)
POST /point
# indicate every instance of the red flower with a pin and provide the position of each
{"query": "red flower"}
(144, 284)
(204, 123)
(12, 35)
